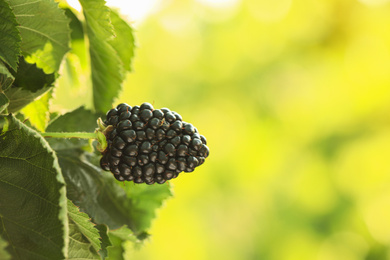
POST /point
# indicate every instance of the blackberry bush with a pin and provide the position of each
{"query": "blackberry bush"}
(147, 145)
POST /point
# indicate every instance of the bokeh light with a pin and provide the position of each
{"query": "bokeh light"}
(294, 99)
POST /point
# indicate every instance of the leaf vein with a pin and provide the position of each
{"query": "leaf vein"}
(34, 231)
(44, 35)
(26, 3)
(36, 195)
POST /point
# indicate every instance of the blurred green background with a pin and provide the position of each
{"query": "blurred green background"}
(294, 99)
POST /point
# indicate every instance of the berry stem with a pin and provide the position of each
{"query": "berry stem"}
(81, 135)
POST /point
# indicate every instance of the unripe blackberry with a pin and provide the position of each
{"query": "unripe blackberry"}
(147, 145)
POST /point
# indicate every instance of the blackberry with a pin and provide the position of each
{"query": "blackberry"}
(147, 145)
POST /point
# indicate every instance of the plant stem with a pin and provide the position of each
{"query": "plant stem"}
(70, 135)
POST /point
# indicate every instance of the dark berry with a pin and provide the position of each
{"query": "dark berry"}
(165, 110)
(196, 135)
(138, 180)
(159, 179)
(186, 139)
(192, 162)
(119, 177)
(204, 151)
(104, 163)
(178, 116)
(135, 110)
(134, 118)
(177, 125)
(182, 150)
(170, 117)
(124, 115)
(146, 105)
(154, 123)
(137, 171)
(131, 150)
(203, 139)
(118, 143)
(181, 163)
(171, 164)
(162, 157)
(111, 113)
(138, 125)
(124, 125)
(123, 105)
(175, 141)
(160, 168)
(171, 133)
(189, 129)
(115, 152)
(129, 178)
(153, 156)
(141, 135)
(124, 169)
(128, 135)
(113, 160)
(149, 169)
(114, 170)
(196, 144)
(168, 174)
(148, 145)
(146, 114)
(150, 133)
(165, 126)
(129, 160)
(157, 113)
(113, 120)
(143, 159)
(160, 134)
(170, 149)
(112, 134)
(192, 152)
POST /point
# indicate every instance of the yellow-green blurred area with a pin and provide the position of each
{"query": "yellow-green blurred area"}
(293, 97)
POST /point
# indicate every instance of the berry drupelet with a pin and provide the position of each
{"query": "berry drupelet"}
(148, 145)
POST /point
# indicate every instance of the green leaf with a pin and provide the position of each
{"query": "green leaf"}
(45, 32)
(33, 215)
(106, 200)
(4, 101)
(103, 231)
(30, 82)
(6, 77)
(145, 200)
(37, 112)
(106, 67)
(76, 27)
(118, 238)
(123, 42)
(96, 192)
(4, 255)
(79, 120)
(84, 237)
(10, 37)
